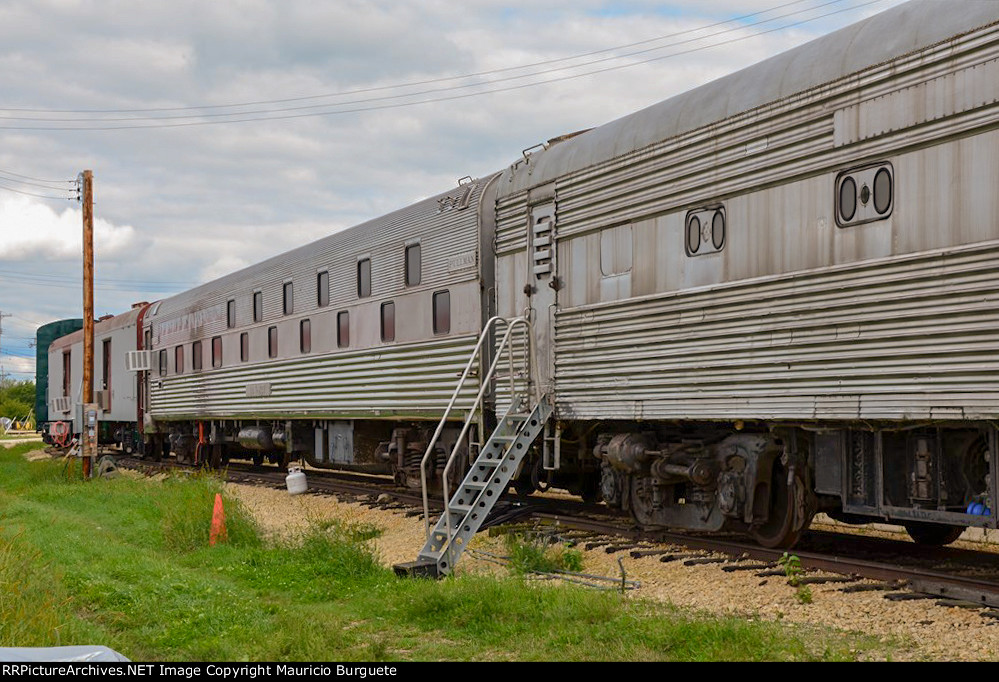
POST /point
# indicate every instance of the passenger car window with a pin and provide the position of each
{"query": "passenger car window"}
(388, 321)
(343, 329)
(414, 265)
(364, 277)
(305, 336)
(442, 312)
(323, 289)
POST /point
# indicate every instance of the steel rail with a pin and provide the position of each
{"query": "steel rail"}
(946, 585)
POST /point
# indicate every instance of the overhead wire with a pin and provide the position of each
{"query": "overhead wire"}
(28, 180)
(421, 92)
(409, 83)
(7, 188)
(76, 278)
(428, 81)
(138, 286)
(286, 116)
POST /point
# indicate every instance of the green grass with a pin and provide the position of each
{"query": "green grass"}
(126, 563)
(527, 555)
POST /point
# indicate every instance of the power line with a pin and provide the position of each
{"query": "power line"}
(253, 118)
(429, 81)
(139, 288)
(46, 184)
(35, 194)
(76, 278)
(24, 319)
(412, 94)
(17, 355)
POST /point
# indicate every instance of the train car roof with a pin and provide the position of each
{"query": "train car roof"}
(354, 239)
(101, 327)
(891, 34)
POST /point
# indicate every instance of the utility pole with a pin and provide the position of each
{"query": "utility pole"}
(88, 430)
(3, 375)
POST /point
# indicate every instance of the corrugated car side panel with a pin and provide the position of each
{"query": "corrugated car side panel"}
(904, 338)
(412, 380)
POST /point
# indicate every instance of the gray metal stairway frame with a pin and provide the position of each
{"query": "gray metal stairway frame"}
(475, 410)
(485, 482)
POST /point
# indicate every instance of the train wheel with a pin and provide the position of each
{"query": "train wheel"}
(641, 502)
(216, 453)
(786, 520)
(932, 533)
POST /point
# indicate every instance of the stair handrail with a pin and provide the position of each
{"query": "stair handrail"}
(484, 385)
(483, 337)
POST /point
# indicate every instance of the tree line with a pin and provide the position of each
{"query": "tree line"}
(17, 398)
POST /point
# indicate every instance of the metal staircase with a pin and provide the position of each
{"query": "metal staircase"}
(497, 462)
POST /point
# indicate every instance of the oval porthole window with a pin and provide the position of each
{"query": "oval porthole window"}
(882, 191)
(847, 199)
(693, 234)
(718, 230)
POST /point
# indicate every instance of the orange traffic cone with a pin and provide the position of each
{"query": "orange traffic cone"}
(218, 532)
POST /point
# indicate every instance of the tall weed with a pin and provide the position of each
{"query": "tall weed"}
(187, 503)
(31, 603)
(529, 555)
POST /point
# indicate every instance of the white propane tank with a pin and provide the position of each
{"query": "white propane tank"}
(296, 482)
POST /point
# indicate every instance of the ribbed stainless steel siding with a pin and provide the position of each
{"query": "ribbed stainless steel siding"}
(413, 380)
(914, 337)
(511, 223)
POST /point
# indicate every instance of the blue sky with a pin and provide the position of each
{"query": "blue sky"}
(177, 206)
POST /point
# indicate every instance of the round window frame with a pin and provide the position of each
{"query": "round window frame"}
(841, 216)
(719, 214)
(856, 172)
(687, 231)
(891, 191)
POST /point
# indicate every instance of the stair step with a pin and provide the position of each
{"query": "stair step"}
(475, 485)
(460, 508)
(504, 439)
(421, 568)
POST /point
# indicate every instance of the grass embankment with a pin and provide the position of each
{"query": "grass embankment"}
(125, 563)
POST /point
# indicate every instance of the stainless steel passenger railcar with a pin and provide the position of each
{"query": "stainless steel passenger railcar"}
(772, 295)
(340, 351)
(777, 293)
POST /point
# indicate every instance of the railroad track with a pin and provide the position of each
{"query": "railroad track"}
(905, 570)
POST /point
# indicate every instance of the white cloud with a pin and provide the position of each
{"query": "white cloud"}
(35, 231)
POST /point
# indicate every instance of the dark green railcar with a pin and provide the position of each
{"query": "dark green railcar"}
(44, 337)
